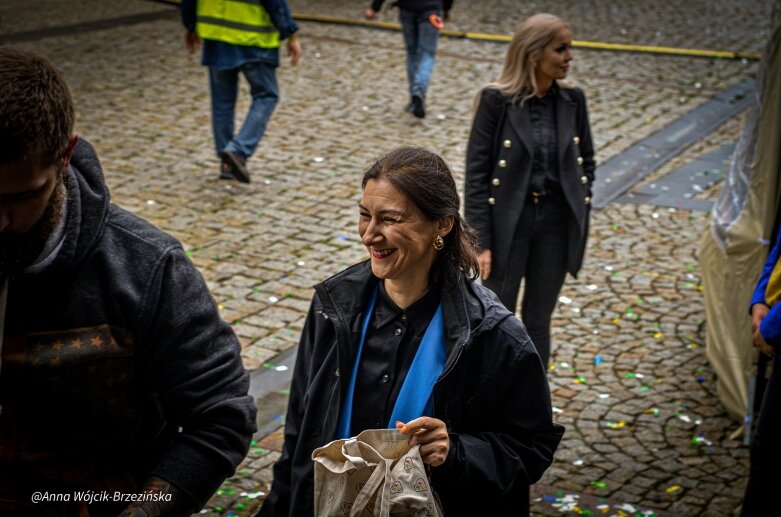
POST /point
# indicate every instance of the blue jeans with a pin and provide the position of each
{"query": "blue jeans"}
(224, 89)
(538, 256)
(421, 40)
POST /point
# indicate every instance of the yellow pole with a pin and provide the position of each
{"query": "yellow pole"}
(503, 38)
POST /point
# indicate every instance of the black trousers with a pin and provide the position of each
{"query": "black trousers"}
(538, 256)
(763, 475)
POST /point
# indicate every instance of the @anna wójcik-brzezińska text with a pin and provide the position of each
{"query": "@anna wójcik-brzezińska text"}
(102, 496)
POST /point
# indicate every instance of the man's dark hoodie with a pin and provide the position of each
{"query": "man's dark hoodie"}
(115, 364)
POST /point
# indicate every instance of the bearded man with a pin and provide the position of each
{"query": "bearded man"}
(121, 389)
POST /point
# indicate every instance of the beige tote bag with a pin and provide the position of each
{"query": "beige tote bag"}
(376, 474)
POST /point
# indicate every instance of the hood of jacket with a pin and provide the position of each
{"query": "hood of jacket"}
(87, 210)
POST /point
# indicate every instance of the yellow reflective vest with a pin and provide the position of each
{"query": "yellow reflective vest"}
(239, 22)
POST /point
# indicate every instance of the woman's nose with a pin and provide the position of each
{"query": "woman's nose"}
(369, 235)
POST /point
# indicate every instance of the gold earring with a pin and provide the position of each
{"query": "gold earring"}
(438, 243)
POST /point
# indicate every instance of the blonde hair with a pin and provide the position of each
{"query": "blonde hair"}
(517, 81)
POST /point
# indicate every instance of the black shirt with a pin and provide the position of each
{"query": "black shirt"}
(545, 161)
(392, 340)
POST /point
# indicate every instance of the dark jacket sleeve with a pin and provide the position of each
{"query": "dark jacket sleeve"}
(479, 164)
(277, 504)
(586, 143)
(490, 463)
(187, 11)
(191, 362)
(280, 15)
(377, 5)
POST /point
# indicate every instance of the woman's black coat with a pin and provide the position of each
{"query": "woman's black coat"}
(498, 170)
(493, 395)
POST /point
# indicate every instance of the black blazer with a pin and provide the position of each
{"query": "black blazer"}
(498, 170)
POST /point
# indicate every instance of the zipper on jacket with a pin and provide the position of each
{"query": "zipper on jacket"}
(460, 350)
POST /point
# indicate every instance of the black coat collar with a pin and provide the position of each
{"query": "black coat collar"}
(467, 309)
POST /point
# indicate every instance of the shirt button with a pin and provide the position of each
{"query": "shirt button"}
(398, 332)
(580, 160)
(502, 163)
(576, 140)
(404, 317)
(386, 378)
(508, 144)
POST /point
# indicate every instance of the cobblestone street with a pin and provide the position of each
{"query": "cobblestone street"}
(630, 380)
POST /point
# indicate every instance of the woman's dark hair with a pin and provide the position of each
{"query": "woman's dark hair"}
(426, 180)
(36, 110)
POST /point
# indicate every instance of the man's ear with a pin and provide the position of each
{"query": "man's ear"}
(71, 146)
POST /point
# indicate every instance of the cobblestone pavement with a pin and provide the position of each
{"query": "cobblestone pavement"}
(630, 380)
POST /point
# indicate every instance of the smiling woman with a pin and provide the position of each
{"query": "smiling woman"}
(399, 239)
(406, 220)
(479, 407)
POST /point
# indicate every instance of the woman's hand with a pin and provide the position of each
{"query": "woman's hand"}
(758, 313)
(431, 435)
(484, 262)
(762, 345)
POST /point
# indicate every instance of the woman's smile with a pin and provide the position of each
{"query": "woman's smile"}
(381, 254)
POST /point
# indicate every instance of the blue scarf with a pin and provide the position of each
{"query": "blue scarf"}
(415, 397)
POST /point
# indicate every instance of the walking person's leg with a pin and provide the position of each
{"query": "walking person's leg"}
(409, 28)
(224, 89)
(264, 90)
(546, 269)
(428, 37)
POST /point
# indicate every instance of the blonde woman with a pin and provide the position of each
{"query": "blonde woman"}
(529, 170)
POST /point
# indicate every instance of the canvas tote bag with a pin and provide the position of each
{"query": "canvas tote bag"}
(376, 474)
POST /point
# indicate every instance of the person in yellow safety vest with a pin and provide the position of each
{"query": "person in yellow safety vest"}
(240, 36)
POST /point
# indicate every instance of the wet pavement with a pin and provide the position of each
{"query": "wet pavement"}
(630, 379)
